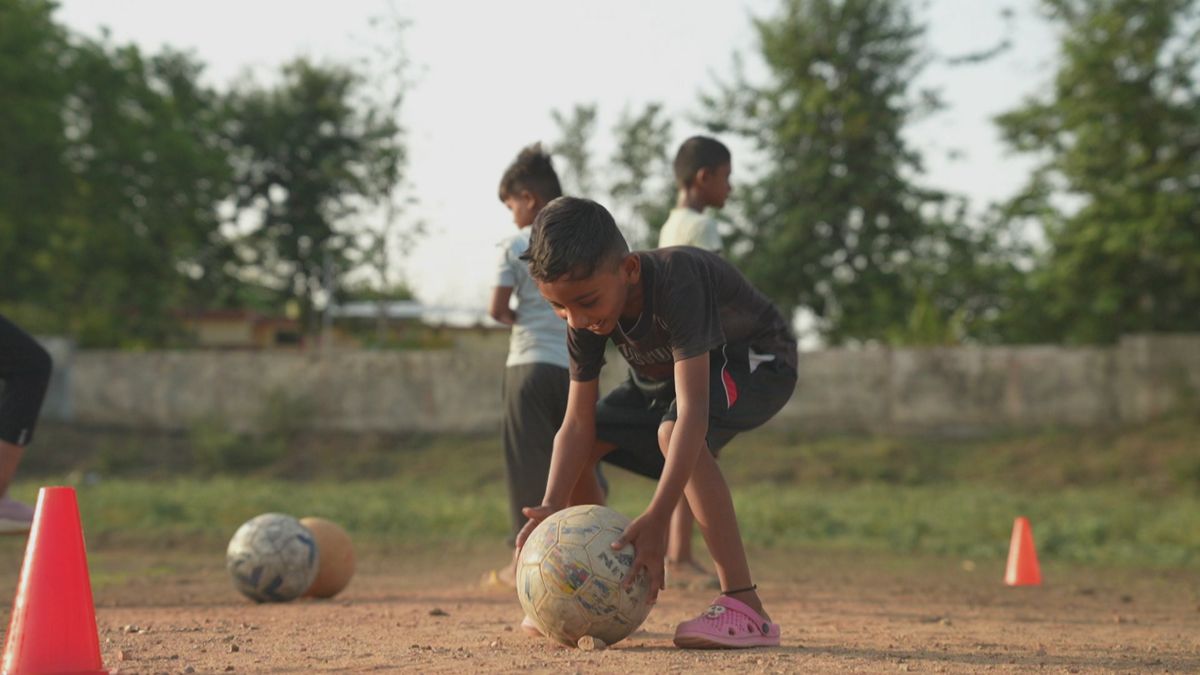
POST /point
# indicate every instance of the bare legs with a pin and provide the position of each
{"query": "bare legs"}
(712, 505)
(679, 541)
(10, 458)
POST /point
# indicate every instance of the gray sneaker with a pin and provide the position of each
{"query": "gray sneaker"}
(15, 517)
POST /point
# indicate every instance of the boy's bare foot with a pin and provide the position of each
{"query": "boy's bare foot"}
(691, 575)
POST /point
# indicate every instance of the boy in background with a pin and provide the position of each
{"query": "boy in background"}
(702, 168)
(535, 375)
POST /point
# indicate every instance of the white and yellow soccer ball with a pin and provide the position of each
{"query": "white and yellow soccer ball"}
(569, 577)
(272, 558)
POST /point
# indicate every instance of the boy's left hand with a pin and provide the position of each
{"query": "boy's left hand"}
(535, 514)
(648, 534)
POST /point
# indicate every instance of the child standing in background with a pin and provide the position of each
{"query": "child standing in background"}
(535, 374)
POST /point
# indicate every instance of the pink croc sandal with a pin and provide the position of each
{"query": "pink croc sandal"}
(727, 624)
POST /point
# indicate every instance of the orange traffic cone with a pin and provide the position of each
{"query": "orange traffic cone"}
(1022, 559)
(53, 628)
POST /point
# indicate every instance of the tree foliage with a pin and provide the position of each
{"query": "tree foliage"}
(1118, 188)
(576, 129)
(643, 185)
(636, 183)
(306, 159)
(150, 169)
(34, 181)
(130, 191)
(834, 217)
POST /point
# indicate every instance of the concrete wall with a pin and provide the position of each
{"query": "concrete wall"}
(355, 390)
(959, 390)
(57, 405)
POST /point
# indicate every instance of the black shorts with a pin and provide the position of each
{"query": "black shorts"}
(744, 391)
(25, 373)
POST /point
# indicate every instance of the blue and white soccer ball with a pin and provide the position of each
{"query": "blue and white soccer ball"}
(272, 558)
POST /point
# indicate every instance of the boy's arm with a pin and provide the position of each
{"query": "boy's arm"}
(688, 437)
(499, 309)
(573, 445)
(648, 532)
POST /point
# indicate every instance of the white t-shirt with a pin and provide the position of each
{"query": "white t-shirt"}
(538, 336)
(685, 227)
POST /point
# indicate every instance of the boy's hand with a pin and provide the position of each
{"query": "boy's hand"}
(535, 514)
(648, 534)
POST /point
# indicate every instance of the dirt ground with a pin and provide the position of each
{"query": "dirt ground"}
(175, 613)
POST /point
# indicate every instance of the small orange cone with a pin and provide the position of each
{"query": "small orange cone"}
(53, 628)
(1023, 567)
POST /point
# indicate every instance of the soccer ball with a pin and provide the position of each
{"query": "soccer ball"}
(272, 558)
(569, 577)
(336, 559)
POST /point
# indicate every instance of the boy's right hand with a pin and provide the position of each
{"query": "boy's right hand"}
(535, 514)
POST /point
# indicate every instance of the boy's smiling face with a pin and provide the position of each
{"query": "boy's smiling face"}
(597, 302)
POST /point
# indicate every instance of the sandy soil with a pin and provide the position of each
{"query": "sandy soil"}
(176, 613)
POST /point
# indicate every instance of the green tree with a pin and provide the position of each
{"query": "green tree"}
(1118, 192)
(963, 281)
(34, 181)
(575, 131)
(834, 219)
(639, 189)
(643, 187)
(309, 155)
(393, 228)
(150, 170)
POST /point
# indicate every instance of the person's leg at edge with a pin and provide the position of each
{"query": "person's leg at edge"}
(10, 458)
(25, 368)
(15, 517)
(708, 494)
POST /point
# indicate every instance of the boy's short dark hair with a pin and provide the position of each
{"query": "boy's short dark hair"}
(572, 238)
(699, 152)
(532, 170)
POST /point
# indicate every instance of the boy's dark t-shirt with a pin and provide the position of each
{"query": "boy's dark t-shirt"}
(694, 302)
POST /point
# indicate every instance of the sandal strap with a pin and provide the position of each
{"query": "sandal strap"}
(735, 605)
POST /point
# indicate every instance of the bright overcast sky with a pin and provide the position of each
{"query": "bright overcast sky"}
(489, 73)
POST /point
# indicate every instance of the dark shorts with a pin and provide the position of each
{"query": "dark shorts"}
(25, 374)
(535, 401)
(738, 400)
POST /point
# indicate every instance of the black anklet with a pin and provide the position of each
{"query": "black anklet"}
(740, 590)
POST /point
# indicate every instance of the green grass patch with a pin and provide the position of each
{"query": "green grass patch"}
(1100, 526)
(1119, 497)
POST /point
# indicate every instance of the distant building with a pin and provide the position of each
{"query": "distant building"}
(404, 324)
(241, 329)
(414, 325)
